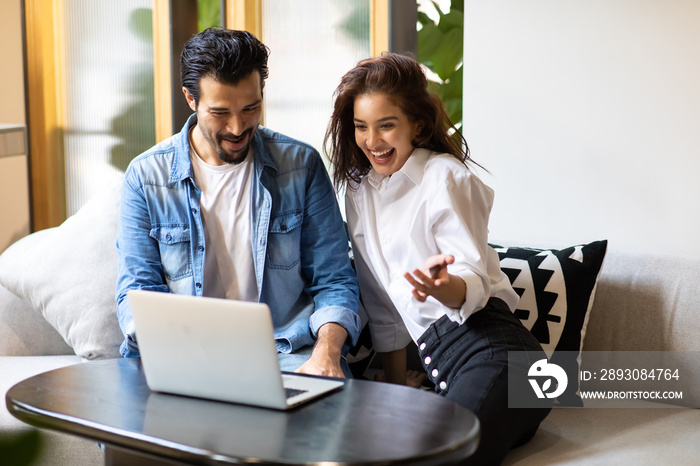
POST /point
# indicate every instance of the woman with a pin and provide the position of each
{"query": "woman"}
(418, 220)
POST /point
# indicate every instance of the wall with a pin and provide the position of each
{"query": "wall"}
(12, 76)
(587, 114)
(14, 194)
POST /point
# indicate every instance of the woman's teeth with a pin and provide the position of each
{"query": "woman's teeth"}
(382, 154)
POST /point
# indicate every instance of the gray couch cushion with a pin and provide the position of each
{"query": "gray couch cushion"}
(571, 436)
(69, 273)
(24, 331)
(646, 305)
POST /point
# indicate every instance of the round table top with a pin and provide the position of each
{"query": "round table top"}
(364, 423)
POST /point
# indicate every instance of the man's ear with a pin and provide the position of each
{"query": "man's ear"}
(190, 100)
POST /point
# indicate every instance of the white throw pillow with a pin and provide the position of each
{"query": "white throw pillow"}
(69, 274)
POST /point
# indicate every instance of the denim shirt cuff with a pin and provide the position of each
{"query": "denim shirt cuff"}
(129, 348)
(295, 334)
(340, 315)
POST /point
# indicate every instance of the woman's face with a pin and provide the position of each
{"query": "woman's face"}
(383, 132)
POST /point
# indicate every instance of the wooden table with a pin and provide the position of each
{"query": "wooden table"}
(364, 423)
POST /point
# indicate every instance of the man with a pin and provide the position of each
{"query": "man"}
(228, 209)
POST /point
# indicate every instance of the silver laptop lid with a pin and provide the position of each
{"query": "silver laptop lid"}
(209, 348)
(214, 348)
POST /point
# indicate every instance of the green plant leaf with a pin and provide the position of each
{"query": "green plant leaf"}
(208, 13)
(429, 40)
(454, 109)
(441, 49)
(451, 20)
(449, 54)
(20, 449)
(452, 88)
(424, 19)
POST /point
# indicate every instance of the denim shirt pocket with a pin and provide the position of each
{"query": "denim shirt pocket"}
(284, 240)
(174, 245)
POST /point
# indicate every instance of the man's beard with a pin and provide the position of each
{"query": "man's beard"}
(238, 156)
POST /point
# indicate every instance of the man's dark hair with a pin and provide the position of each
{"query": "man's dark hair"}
(226, 55)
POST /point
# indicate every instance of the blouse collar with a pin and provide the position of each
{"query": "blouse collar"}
(413, 169)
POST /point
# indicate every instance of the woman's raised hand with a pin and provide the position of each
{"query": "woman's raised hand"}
(434, 280)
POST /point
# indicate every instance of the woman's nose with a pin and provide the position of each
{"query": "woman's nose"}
(372, 138)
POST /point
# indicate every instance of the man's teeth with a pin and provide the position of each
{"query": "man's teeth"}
(381, 154)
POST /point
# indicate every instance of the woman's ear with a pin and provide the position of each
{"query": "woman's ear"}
(420, 126)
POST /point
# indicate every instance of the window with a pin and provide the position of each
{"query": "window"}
(313, 44)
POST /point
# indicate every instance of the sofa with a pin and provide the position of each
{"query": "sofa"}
(57, 308)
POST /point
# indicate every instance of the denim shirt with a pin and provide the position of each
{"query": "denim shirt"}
(300, 248)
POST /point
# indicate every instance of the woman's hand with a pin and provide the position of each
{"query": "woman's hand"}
(434, 280)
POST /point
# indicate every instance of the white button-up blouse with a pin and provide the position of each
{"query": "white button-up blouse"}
(433, 205)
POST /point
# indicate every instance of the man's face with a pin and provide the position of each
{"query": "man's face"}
(227, 117)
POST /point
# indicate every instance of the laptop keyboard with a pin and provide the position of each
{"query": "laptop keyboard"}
(293, 392)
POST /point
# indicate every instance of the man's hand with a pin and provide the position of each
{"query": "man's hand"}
(325, 358)
(433, 280)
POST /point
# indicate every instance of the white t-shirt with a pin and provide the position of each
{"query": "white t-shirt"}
(433, 205)
(225, 207)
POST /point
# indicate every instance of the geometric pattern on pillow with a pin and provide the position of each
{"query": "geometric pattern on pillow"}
(557, 288)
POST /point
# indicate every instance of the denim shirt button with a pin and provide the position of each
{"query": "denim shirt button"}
(200, 248)
(198, 285)
(194, 211)
(168, 237)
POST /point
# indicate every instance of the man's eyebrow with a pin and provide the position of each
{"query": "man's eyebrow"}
(226, 109)
(254, 104)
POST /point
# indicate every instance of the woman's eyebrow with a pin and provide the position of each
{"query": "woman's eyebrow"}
(381, 120)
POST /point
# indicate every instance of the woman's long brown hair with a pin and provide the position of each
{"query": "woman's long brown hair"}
(402, 80)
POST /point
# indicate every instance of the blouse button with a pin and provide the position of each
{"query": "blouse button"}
(443, 385)
(435, 372)
(422, 346)
(427, 360)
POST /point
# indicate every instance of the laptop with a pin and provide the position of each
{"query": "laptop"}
(217, 349)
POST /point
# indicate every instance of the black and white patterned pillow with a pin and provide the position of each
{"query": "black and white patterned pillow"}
(556, 288)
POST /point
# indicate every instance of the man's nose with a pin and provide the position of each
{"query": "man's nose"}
(236, 125)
